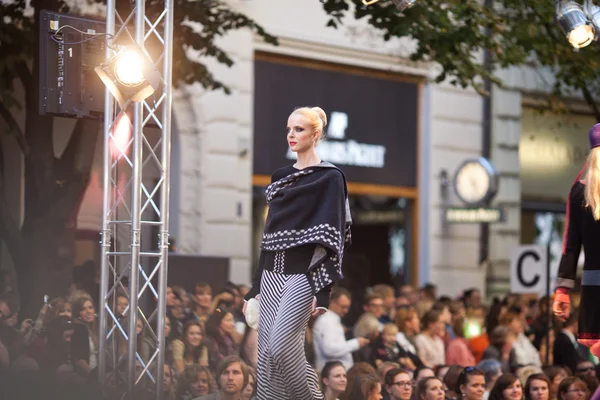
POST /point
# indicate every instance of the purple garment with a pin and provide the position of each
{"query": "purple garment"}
(596, 395)
(594, 136)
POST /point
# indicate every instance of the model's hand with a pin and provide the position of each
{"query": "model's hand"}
(362, 342)
(562, 305)
(246, 304)
(317, 312)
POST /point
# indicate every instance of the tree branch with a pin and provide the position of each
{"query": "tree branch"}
(590, 100)
(24, 74)
(14, 129)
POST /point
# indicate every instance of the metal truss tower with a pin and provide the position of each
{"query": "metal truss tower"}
(135, 236)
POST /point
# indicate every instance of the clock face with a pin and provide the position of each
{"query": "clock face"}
(472, 182)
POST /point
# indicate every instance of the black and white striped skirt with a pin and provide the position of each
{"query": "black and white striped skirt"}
(285, 308)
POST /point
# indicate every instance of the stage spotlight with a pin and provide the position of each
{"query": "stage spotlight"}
(130, 75)
(401, 5)
(574, 23)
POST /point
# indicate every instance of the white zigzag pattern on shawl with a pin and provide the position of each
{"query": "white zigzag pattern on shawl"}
(279, 260)
(283, 240)
(321, 278)
(275, 187)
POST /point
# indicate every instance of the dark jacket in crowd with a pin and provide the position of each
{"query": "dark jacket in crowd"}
(565, 352)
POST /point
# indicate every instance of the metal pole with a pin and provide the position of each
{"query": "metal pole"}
(136, 216)
(165, 194)
(486, 145)
(548, 308)
(106, 202)
(130, 211)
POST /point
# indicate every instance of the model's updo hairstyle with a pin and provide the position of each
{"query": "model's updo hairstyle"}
(316, 117)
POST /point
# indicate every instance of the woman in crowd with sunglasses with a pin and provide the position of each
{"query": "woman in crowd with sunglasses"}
(573, 388)
(471, 384)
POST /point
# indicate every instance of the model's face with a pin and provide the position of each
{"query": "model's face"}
(300, 135)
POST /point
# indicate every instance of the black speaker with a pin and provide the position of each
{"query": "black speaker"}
(70, 48)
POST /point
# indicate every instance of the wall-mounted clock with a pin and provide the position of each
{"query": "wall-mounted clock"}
(476, 181)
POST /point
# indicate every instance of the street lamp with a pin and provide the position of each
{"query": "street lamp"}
(401, 5)
(580, 24)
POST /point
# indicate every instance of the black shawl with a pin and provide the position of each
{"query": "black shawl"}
(311, 207)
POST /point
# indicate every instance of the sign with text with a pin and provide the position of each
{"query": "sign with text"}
(552, 150)
(372, 122)
(463, 215)
(528, 269)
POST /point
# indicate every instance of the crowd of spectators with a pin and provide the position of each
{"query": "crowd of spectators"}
(392, 343)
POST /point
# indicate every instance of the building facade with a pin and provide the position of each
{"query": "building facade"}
(398, 137)
(391, 131)
(539, 154)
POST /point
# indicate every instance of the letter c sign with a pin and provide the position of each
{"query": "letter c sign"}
(520, 263)
(528, 269)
